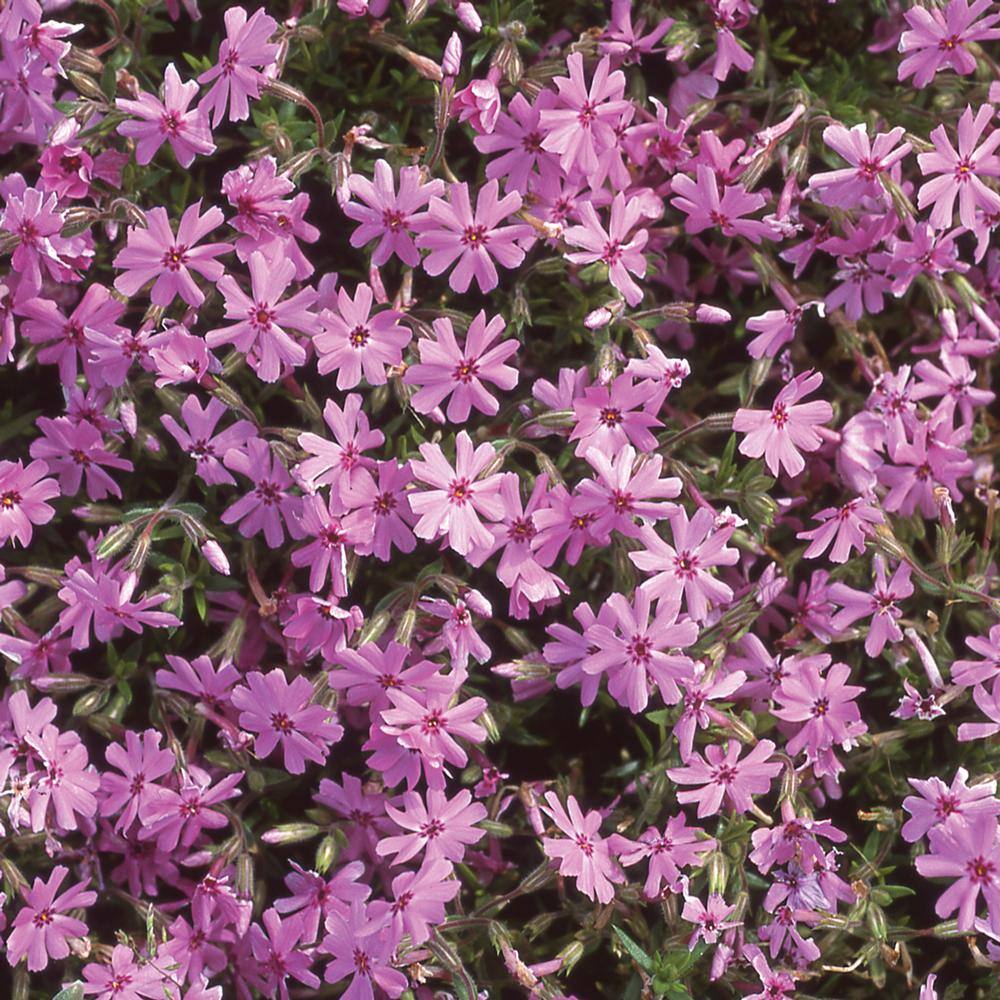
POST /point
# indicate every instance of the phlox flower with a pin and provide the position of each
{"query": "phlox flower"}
(937, 38)
(966, 673)
(988, 702)
(779, 435)
(67, 782)
(123, 978)
(73, 451)
(236, 75)
(869, 160)
(610, 417)
(279, 713)
(167, 118)
(447, 370)
(879, 602)
(440, 827)
(458, 634)
(723, 775)
(569, 648)
(614, 247)
(353, 341)
(23, 496)
(845, 526)
(581, 851)
(709, 918)
(155, 254)
(419, 898)
(199, 679)
(41, 928)
(275, 943)
(457, 496)
(937, 802)
(34, 222)
(199, 440)
(706, 209)
(129, 794)
(362, 948)
(260, 332)
(339, 463)
(454, 232)
(677, 846)
(270, 504)
(178, 817)
(386, 496)
(517, 136)
(696, 713)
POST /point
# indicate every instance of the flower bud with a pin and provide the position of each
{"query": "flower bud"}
(469, 17)
(712, 314)
(215, 557)
(451, 63)
(291, 833)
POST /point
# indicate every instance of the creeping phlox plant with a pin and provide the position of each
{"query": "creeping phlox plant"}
(498, 499)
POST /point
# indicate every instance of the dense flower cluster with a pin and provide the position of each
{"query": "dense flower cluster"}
(525, 527)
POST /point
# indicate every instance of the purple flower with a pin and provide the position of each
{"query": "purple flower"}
(199, 679)
(340, 463)
(445, 369)
(155, 254)
(260, 332)
(613, 247)
(937, 802)
(362, 948)
(788, 428)
(23, 492)
(67, 782)
(709, 919)
(723, 775)
(937, 38)
(582, 852)
(387, 498)
(178, 817)
(458, 496)
(269, 504)
(441, 828)
(966, 673)
(199, 439)
(276, 948)
(129, 795)
(280, 714)
(41, 927)
(678, 846)
(705, 209)
(123, 978)
(168, 120)
(517, 135)
(73, 451)
(989, 704)
(868, 161)
(419, 898)
(353, 341)
(454, 232)
(391, 217)
(610, 417)
(880, 603)
(244, 50)
(845, 527)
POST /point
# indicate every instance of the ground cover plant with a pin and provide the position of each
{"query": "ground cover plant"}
(498, 499)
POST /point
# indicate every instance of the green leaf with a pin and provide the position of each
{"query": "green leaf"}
(634, 950)
(72, 992)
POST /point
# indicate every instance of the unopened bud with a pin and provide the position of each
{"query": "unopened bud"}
(291, 833)
(212, 552)
(712, 314)
(86, 85)
(451, 63)
(570, 955)
(469, 17)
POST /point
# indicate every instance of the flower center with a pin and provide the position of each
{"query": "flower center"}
(459, 491)
(474, 237)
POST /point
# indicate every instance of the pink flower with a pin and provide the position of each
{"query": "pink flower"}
(582, 852)
(845, 526)
(363, 949)
(74, 450)
(519, 132)
(789, 427)
(168, 120)
(937, 38)
(419, 898)
(67, 782)
(937, 802)
(391, 217)
(678, 846)
(178, 817)
(454, 232)
(155, 254)
(122, 978)
(129, 795)
(441, 828)
(709, 919)
(23, 492)
(582, 124)
(458, 496)
(340, 463)
(704, 208)
(260, 332)
(868, 161)
(682, 569)
(276, 948)
(237, 76)
(33, 219)
(967, 850)
(988, 702)
(823, 704)
(388, 500)
(446, 370)
(41, 928)
(622, 254)
(199, 440)
(353, 341)
(199, 679)
(610, 417)
(479, 103)
(723, 775)
(270, 503)
(280, 713)
(966, 673)
(324, 521)
(962, 171)
(880, 603)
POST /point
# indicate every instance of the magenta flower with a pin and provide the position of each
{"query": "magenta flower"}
(868, 160)
(517, 136)
(123, 978)
(445, 369)
(962, 171)
(723, 775)
(709, 919)
(276, 948)
(270, 504)
(823, 703)
(682, 569)
(880, 603)
(242, 53)
(65, 338)
(323, 521)
(696, 712)
(199, 440)
(989, 704)
(367, 673)
(388, 500)
(441, 828)
(453, 232)
(178, 817)
(582, 852)
(846, 527)
(390, 217)
(613, 246)
(967, 850)
(73, 451)
(678, 846)
(705, 209)
(199, 679)
(67, 782)
(280, 714)
(129, 795)
(458, 496)
(582, 124)
(363, 949)
(610, 417)
(937, 38)
(339, 463)
(966, 673)
(261, 331)
(155, 254)
(33, 220)
(788, 428)
(167, 119)
(419, 898)
(353, 341)
(937, 802)
(633, 652)
(41, 928)
(23, 492)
